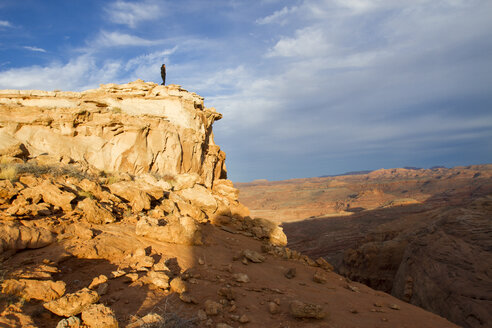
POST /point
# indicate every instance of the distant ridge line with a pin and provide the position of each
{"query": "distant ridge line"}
(346, 173)
(369, 171)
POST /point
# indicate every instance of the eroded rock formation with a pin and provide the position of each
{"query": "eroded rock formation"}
(137, 128)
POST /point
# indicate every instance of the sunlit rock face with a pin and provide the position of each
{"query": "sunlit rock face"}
(137, 127)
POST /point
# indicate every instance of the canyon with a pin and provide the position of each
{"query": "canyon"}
(422, 235)
(116, 211)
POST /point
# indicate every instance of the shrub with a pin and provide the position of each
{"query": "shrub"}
(113, 179)
(171, 318)
(8, 172)
(85, 194)
(54, 170)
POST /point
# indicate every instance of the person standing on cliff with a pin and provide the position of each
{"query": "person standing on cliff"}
(163, 74)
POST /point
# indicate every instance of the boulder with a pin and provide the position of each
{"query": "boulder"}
(278, 237)
(212, 307)
(53, 195)
(43, 290)
(320, 276)
(253, 256)
(16, 237)
(290, 273)
(322, 263)
(226, 188)
(149, 320)
(273, 308)
(91, 187)
(72, 304)
(158, 279)
(266, 229)
(227, 292)
(138, 199)
(7, 191)
(183, 230)
(178, 285)
(80, 230)
(11, 147)
(191, 210)
(155, 190)
(240, 277)
(71, 322)
(185, 181)
(101, 279)
(94, 212)
(99, 316)
(21, 207)
(201, 197)
(302, 310)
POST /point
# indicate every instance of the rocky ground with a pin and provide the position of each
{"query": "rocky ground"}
(421, 235)
(79, 250)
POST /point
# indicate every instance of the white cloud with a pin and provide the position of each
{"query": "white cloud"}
(4, 23)
(147, 67)
(359, 6)
(117, 39)
(278, 16)
(132, 13)
(78, 74)
(153, 57)
(36, 49)
(308, 42)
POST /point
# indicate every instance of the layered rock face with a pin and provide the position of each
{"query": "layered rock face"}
(137, 128)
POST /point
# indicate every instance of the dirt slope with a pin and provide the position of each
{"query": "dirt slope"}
(206, 270)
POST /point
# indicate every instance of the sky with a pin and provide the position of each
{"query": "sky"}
(307, 87)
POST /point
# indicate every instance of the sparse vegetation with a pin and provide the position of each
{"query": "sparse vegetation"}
(113, 179)
(169, 178)
(116, 110)
(54, 170)
(8, 172)
(11, 171)
(85, 194)
(170, 319)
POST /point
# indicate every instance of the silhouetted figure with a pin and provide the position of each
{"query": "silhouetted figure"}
(163, 74)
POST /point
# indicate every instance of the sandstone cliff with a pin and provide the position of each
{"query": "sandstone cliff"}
(136, 128)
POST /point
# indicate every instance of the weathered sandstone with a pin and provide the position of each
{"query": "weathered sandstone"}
(99, 316)
(72, 304)
(136, 128)
(44, 290)
(17, 237)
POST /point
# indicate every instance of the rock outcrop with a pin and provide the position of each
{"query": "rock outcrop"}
(137, 127)
(104, 153)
